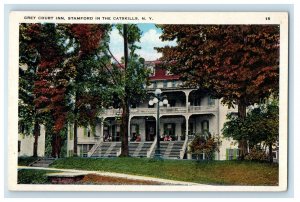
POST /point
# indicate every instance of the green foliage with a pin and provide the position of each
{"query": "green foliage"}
(261, 125)
(25, 161)
(205, 143)
(238, 63)
(135, 77)
(33, 176)
(256, 154)
(49, 139)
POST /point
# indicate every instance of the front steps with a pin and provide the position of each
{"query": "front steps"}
(170, 149)
(107, 149)
(139, 149)
(43, 162)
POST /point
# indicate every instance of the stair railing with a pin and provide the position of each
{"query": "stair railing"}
(93, 149)
(149, 152)
(182, 151)
(120, 150)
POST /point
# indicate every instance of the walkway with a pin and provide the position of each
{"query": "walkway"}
(111, 174)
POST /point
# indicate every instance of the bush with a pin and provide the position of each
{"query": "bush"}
(256, 155)
(205, 143)
(25, 161)
(32, 177)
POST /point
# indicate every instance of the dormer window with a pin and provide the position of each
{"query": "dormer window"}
(152, 70)
(168, 73)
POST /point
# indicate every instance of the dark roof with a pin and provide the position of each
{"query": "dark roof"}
(160, 73)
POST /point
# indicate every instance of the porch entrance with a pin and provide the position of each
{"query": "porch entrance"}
(150, 128)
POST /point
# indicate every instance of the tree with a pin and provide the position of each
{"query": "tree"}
(29, 117)
(54, 52)
(129, 78)
(238, 63)
(49, 85)
(260, 127)
(86, 98)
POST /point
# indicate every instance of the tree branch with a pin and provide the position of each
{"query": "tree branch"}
(114, 57)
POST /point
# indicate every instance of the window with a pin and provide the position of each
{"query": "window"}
(232, 154)
(205, 126)
(84, 149)
(155, 84)
(165, 84)
(211, 101)
(200, 156)
(173, 84)
(152, 71)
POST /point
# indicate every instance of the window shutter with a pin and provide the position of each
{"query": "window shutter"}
(84, 131)
(227, 154)
(235, 154)
(71, 132)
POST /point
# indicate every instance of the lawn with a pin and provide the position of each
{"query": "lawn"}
(33, 176)
(206, 172)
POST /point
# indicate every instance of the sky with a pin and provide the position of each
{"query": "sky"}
(149, 40)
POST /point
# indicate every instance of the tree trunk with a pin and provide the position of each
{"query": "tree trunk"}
(243, 145)
(125, 103)
(270, 153)
(75, 138)
(124, 129)
(75, 126)
(56, 145)
(36, 132)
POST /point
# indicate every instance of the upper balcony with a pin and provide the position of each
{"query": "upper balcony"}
(165, 110)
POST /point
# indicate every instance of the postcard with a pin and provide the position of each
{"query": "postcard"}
(148, 101)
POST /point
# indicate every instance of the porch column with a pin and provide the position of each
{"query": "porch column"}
(187, 93)
(129, 125)
(179, 134)
(189, 155)
(101, 131)
(186, 126)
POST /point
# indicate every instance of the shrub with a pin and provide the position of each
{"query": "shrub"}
(256, 155)
(205, 143)
(32, 177)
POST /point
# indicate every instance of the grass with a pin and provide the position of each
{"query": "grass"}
(206, 172)
(25, 161)
(26, 176)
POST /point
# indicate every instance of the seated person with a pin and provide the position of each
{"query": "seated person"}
(138, 138)
(168, 138)
(133, 138)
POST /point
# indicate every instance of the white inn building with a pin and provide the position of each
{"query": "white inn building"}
(189, 111)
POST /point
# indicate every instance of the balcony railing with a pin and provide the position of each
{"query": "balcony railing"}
(163, 110)
(208, 108)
